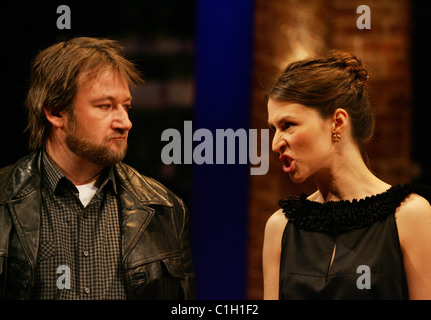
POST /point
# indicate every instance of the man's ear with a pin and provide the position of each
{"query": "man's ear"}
(339, 121)
(54, 116)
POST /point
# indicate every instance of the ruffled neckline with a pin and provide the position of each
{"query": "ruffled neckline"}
(336, 217)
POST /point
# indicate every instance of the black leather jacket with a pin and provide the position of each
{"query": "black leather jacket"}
(156, 255)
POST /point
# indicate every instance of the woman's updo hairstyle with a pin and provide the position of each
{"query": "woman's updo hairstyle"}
(338, 80)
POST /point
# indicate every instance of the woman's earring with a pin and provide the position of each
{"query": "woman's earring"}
(336, 137)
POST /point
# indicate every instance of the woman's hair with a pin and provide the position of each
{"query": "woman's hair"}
(338, 80)
(54, 78)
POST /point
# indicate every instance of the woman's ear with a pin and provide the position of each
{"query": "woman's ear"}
(339, 121)
(54, 116)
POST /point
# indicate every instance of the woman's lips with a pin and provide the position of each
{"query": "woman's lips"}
(288, 163)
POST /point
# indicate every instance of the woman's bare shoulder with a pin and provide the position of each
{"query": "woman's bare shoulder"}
(412, 208)
(276, 222)
(413, 218)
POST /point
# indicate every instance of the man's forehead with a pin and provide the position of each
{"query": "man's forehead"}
(102, 75)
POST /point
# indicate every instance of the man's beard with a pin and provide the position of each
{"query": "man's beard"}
(97, 153)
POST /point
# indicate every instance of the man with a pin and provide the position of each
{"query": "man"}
(76, 222)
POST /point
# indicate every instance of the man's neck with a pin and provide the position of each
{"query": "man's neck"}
(77, 169)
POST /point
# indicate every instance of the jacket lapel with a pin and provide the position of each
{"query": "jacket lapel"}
(136, 196)
(135, 218)
(22, 196)
(26, 216)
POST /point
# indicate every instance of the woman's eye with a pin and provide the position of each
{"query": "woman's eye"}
(283, 127)
(287, 125)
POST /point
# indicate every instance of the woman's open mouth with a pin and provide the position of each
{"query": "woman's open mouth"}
(288, 163)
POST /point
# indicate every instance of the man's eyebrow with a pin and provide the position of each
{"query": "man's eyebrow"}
(128, 99)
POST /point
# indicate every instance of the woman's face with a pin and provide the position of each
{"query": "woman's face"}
(301, 137)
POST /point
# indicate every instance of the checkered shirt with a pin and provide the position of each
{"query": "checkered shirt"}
(80, 253)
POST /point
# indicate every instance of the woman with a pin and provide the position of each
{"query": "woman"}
(356, 237)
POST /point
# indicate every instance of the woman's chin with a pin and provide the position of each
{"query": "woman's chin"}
(296, 178)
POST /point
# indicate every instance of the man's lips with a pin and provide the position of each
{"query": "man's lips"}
(119, 138)
(288, 163)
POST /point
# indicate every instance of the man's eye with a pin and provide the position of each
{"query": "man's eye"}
(105, 106)
(127, 107)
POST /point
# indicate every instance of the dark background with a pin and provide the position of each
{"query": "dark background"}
(30, 26)
(421, 70)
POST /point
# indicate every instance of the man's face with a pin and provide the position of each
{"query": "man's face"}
(98, 127)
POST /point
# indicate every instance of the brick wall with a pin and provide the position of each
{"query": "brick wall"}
(385, 50)
(287, 30)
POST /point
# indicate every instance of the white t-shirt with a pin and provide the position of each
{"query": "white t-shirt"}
(87, 192)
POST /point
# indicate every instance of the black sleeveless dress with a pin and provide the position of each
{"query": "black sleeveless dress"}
(368, 262)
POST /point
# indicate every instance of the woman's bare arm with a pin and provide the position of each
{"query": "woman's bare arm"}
(414, 229)
(271, 254)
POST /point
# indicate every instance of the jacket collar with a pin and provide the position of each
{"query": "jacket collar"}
(146, 190)
(54, 177)
(18, 189)
(21, 178)
(25, 177)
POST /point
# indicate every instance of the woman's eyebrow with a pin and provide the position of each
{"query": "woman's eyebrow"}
(281, 120)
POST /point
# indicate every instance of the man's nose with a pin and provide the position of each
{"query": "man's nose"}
(121, 119)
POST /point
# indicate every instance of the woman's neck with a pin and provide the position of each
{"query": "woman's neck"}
(348, 178)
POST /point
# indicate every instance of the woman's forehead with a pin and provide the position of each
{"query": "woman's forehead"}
(280, 110)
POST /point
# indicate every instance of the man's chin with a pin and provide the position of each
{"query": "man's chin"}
(105, 155)
(109, 157)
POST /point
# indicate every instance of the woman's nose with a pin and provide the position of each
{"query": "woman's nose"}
(278, 143)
